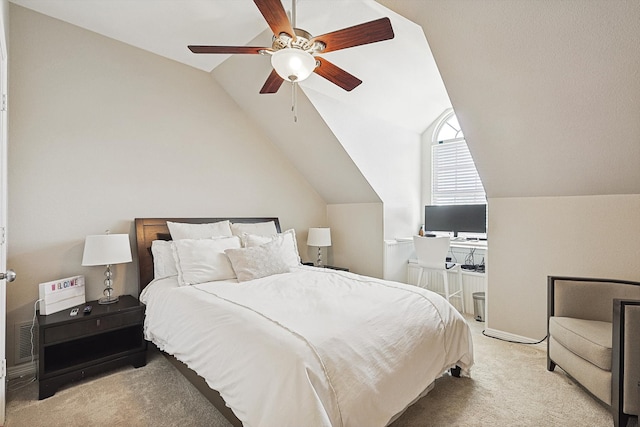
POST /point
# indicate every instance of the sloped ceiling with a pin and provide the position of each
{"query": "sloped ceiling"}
(397, 70)
(309, 143)
(401, 84)
(547, 93)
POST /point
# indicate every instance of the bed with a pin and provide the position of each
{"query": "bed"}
(283, 344)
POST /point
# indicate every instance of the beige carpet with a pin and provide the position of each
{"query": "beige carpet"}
(509, 386)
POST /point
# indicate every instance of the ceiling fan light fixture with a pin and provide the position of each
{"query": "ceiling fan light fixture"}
(292, 64)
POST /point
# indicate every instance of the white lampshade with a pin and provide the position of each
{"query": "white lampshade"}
(293, 64)
(319, 237)
(106, 249)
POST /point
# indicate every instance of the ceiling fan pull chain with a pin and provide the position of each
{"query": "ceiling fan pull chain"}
(294, 101)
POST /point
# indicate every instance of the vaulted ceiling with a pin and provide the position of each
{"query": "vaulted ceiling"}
(548, 94)
(401, 95)
(400, 71)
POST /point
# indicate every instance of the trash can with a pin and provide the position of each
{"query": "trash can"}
(478, 306)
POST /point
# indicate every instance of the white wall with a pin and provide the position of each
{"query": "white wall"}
(101, 133)
(4, 10)
(532, 238)
(386, 154)
(356, 236)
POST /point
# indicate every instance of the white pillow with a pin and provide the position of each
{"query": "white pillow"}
(259, 228)
(287, 238)
(259, 261)
(182, 230)
(203, 260)
(163, 262)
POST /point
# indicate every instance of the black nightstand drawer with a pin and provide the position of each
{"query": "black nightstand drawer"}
(91, 326)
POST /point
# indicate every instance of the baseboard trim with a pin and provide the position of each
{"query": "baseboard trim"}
(21, 370)
(494, 333)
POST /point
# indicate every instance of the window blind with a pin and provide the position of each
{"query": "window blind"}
(454, 177)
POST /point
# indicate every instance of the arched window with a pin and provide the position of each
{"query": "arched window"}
(454, 178)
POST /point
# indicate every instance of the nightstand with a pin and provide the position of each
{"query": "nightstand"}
(74, 347)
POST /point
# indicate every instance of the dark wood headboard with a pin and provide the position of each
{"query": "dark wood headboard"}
(150, 229)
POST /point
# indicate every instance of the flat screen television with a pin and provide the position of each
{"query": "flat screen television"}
(456, 218)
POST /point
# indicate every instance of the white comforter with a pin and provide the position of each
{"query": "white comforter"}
(314, 347)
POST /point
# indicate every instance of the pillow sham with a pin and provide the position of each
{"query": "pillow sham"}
(267, 228)
(287, 238)
(259, 261)
(183, 230)
(203, 260)
(164, 264)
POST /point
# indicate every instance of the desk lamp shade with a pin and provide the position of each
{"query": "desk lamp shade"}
(106, 249)
(320, 237)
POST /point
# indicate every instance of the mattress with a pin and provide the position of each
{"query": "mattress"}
(312, 347)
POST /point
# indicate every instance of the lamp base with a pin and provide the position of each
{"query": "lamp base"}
(108, 290)
(108, 300)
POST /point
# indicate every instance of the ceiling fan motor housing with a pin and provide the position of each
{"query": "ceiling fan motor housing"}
(302, 41)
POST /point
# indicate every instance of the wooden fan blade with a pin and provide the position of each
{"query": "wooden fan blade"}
(276, 16)
(369, 32)
(273, 83)
(226, 49)
(336, 75)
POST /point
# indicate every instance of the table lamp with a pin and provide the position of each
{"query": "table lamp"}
(320, 237)
(107, 249)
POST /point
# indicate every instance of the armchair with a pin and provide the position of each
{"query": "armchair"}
(594, 336)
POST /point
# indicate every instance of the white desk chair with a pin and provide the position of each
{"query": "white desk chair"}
(432, 253)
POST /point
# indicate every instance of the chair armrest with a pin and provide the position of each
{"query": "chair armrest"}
(625, 369)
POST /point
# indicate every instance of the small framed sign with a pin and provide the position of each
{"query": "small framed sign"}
(58, 295)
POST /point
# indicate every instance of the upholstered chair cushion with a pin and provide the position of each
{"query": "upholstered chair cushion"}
(589, 339)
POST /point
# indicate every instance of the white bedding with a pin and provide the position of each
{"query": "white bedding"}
(313, 347)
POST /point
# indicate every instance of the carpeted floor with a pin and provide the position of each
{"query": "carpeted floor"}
(509, 386)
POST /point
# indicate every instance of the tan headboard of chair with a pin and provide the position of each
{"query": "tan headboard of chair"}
(150, 229)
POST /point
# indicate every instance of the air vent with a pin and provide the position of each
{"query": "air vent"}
(23, 345)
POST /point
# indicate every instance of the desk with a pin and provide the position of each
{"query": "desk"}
(400, 265)
(471, 282)
(460, 250)
(469, 244)
(463, 244)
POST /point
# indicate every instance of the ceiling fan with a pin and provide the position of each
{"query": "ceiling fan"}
(295, 52)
